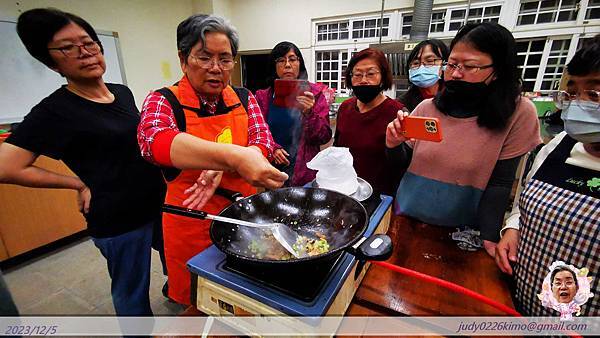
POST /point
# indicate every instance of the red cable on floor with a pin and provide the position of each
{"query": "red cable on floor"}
(454, 287)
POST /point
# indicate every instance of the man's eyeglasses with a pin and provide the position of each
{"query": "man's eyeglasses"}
(282, 61)
(427, 63)
(465, 69)
(563, 99)
(370, 75)
(206, 62)
(74, 51)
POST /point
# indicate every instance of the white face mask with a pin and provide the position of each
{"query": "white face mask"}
(582, 121)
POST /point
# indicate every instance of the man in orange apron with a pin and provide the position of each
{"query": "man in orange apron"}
(221, 126)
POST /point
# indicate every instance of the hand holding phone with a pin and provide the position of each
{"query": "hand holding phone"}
(422, 128)
(405, 127)
(306, 100)
(286, 92)
(393, 133)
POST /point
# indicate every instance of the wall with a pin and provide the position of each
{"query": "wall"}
(146, 33)
(202, 6)
(224, 8)
(147, 27)
(263, 23)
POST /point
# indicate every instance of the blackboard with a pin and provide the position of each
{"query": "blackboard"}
(24, 81)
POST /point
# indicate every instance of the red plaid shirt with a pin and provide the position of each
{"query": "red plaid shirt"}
(158, 123)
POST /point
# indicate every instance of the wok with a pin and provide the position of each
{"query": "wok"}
(309, 211)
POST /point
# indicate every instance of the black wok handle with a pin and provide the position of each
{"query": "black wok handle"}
(172, 209)
(231, 195)
(374, 248)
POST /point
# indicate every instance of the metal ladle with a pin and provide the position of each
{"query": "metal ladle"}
(282, 233)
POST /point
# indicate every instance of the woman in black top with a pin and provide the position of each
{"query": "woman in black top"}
(91, 126)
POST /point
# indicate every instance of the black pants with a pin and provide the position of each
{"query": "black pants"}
(7, 305)
(158, 244)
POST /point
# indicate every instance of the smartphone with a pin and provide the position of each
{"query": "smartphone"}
(286, 92)
(422, 128)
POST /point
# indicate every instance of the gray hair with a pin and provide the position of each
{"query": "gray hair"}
(194, 28)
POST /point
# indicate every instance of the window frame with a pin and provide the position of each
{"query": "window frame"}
(539, 11)
(341, 64)
(448, 18)
(388, 29)
(479, 18)
(328, 32)
(402, 24)
(545, 56)
(438, 23)
(588, 9)
(364, 29)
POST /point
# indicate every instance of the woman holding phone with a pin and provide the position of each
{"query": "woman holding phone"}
(300, 130)
(466, 179)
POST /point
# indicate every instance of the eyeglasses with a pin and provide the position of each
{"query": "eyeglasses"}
(567, 283)
(563, 99)
(370, 75)
(427, 63)
(465, 69)
(74, 51)
(282, 61)
(206, 62)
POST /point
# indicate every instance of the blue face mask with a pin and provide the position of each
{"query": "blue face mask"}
(582, 121)
(424, 77)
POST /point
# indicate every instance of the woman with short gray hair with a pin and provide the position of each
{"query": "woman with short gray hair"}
(194, 29)
(204, 123)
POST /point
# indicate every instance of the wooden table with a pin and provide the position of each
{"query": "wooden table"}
(427, 249)
(430, 250)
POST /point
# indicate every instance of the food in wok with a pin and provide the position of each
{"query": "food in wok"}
(267, 247)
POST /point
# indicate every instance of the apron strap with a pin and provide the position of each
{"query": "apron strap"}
(171, 173)
(242, 94)
(176, 106)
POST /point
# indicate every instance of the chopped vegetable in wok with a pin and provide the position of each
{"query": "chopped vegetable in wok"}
(268, 247)
(254, 247)
(311, 247)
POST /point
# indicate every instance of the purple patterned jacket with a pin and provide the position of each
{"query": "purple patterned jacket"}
(315, 132)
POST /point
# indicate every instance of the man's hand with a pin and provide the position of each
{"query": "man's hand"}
(506, 250)
(280, 156)
(203, 189)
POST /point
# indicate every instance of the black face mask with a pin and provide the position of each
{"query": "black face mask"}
(462, 95)
(366, 94)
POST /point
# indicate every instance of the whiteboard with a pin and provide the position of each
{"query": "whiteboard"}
(24, 81)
